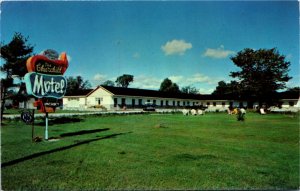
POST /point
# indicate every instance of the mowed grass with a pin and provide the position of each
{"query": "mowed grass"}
(214, 151)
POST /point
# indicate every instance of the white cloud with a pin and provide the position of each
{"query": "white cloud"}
(99, 78)
(146, 82)
(201, 78)
(218, 53)
(206, 90)
(204, 83)
(192, 79)
(186, 80)
(176, 79)
(174, 47)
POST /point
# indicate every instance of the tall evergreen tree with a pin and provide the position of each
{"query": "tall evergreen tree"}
(15, 54)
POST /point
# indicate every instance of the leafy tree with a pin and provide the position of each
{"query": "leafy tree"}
(223, 88)
(189, 90)
(263, 71)
(124, 80)
(108, 83)
(168, 86)
(15, 54)
(76, 84)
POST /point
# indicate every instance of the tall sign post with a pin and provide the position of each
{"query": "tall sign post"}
(46, 82)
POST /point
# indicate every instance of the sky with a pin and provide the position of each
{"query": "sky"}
(189, 42)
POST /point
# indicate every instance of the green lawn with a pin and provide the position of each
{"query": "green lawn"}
(214, 151)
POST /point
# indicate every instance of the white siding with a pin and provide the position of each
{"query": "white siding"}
(100, 95)
(106, 98)
(298, 103)
(290, 103)
(74, 102)
(27, 104)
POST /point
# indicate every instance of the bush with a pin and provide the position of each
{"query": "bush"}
(99, 107)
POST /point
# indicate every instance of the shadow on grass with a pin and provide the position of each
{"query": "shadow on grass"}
(36, 155)
(82, 132)
(186, 157)
(61, 120)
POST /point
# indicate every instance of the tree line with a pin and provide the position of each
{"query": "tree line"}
(262, 72)
(76, 84)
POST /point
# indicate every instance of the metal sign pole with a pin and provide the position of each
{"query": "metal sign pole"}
(46, 128)
(32, 125)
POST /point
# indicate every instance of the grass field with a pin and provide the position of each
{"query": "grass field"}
(214, 151)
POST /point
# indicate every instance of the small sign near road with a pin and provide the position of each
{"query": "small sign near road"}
(27, 116)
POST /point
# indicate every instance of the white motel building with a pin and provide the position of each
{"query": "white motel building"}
(116, 98)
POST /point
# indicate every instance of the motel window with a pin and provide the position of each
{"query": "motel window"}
(178, 103)
(241, 104)
(140, 102)
(98, 100)
(162, 103)
(174, 103)
(133, 102)
(115, 102)
(123, 102)
(154, 102)
(188, 103)
(167, 103)
(184, 103)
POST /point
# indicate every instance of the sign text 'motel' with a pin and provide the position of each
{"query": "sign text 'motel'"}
(42, 85)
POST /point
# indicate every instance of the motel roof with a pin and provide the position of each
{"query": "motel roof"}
(79, 93)
(136, 92)
(147, 93)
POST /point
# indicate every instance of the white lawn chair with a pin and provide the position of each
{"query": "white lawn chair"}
(262, 111)
(185, 112)
(193, 112)
(200, 112)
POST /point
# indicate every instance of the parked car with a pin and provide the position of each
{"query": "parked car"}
(149, 106)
